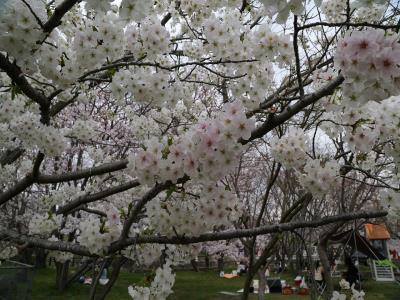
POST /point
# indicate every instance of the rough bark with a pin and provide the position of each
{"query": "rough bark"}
(262, 283)
(95, 283)
(62, 275)
(119, 262)
(40, 259)
(323, 257)
(220, 263)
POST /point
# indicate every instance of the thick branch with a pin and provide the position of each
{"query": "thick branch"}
(94, 171)
(241, 233)
(97, 196)
(19, 187)
(275, 120)
(151, 194)
(9, 156)
(43, 179)
(225, 235)
(43, 243)
(15, 73)
(59, 12)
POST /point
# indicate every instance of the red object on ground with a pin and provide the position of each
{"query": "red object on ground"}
(287, 290)
(303, 291)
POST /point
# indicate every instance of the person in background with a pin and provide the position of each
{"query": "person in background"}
(242, 268)
(267, 272)
(319, 276)
(352, 275)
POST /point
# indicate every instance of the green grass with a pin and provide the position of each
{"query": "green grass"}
(189, 285)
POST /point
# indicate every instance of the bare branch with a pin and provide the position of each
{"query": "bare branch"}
(297, 58)
(339, 24)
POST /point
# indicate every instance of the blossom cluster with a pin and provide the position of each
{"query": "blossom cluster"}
(44, 224)
(369, 61)
(7, 251)
(15, 121)
(223, 36)
(316, 175)
(390, 200)
(214, 208)
(19, 30)
(273, 46)
(356, 294)
(83, 130)
(144, 87)
(377, 123)
(291, 148)
(284, 8)
(209, 147)
(319, 177)
(368, 11)
(28, 128)
(96, 234)
(160, 288)
(135, 10)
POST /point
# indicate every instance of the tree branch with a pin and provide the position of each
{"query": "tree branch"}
(158, 188)
(59, 12)
(15, 73)
(339, 24)
(297, 57)
(85, 199)
(216, 236)
(241, 233)
(19, 187)
(94, 171)
(291, 110)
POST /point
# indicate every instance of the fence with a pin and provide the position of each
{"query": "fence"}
(15, 281)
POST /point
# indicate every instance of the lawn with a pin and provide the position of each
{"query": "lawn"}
(189, 285)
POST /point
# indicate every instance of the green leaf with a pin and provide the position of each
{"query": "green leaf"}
(170, 140)
(361, 157)
(165, 152)
(171, 190)
(15, 90)
(111, 72)
(62, 61)
(386, 263)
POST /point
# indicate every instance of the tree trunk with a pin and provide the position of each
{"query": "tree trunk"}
(113, 277)
(40, 259)
(95, 282)
(62, 275)
(253, 268)
(262, 283)
(82, 270)
(207, 261)
(220, 263)
(323, 256)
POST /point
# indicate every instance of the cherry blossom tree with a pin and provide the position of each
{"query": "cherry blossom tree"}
(124, 125)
